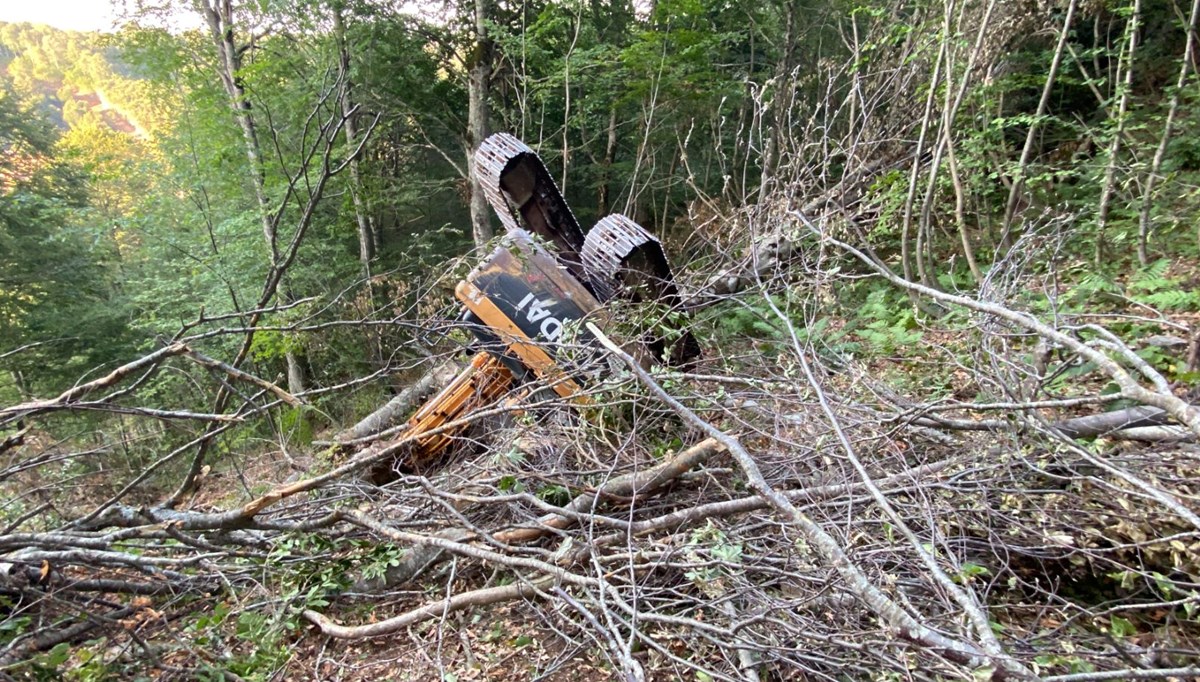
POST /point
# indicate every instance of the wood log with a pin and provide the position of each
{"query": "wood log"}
(419, 559)
(1088, 426)
(399, 407)
(1106, 423)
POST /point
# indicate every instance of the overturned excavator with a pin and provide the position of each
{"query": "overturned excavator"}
(525, 304)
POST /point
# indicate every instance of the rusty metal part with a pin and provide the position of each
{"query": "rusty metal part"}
(513, 176)
(625, 261)
(484, 381)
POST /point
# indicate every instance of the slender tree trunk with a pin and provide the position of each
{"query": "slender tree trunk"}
(478, 87)
(924, 223)
(218, 14)
(960, 216)
(366, 231)
(1114, 146)
(610, 151)
(781, 100)
(1018, 181)
(18, 379)
(915, 170)
(566, 147)
(953, 101)
(1161, 152)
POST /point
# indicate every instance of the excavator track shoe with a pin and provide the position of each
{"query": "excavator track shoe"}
(623, 260)
(520, 189)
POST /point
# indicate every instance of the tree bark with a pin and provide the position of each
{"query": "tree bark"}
(366, 231)
(1018, 181)
(781, 99)
(1114, 145)
(478, 89)
(399, 407)
(1168, 127)
(610, 152)
(218, 14)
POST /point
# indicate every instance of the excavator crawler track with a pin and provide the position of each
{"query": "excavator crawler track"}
(625, 261)
(519, 188)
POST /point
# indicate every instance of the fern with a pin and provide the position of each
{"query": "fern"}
(1092, 283)
(1153, 277)
(1171, 299)
(1151, 286)
(889, 322)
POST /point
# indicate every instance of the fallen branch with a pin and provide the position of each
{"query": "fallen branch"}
(398, 407)
(237, 374)
(891, 613)
(244, 516)
(13, 440)
(629, 485)
(807, 496)
(462, 549)
(1155, 434)
(967, 601)
(420, 559)
(1130, 387)
(1109, 422)
(1088, 426)
(415, 562)
(67, 397)
(20, 651)
(1132, 674)
(437, 609)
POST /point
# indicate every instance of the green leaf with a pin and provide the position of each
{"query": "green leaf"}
(58, 655)
(971, 569)
(1120, 627)
(523, 640)
(969, 572)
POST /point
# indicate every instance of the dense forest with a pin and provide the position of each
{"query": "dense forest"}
(941, 259)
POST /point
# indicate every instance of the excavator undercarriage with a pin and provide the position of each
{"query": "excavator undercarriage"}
(526, 303)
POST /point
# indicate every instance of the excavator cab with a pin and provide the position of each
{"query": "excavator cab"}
(528, 312)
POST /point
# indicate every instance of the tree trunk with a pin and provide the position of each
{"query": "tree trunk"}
(218, 14)
(610, 152)
(1168, 127)
(478, 87)
(915, 170)
(366, 231)
(1018, 181)
(781, 99)
(1114, 146)
(960, 217)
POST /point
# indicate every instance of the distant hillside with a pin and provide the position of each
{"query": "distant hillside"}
(73, 76)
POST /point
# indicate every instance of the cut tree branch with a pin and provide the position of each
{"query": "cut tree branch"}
(857, 582)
